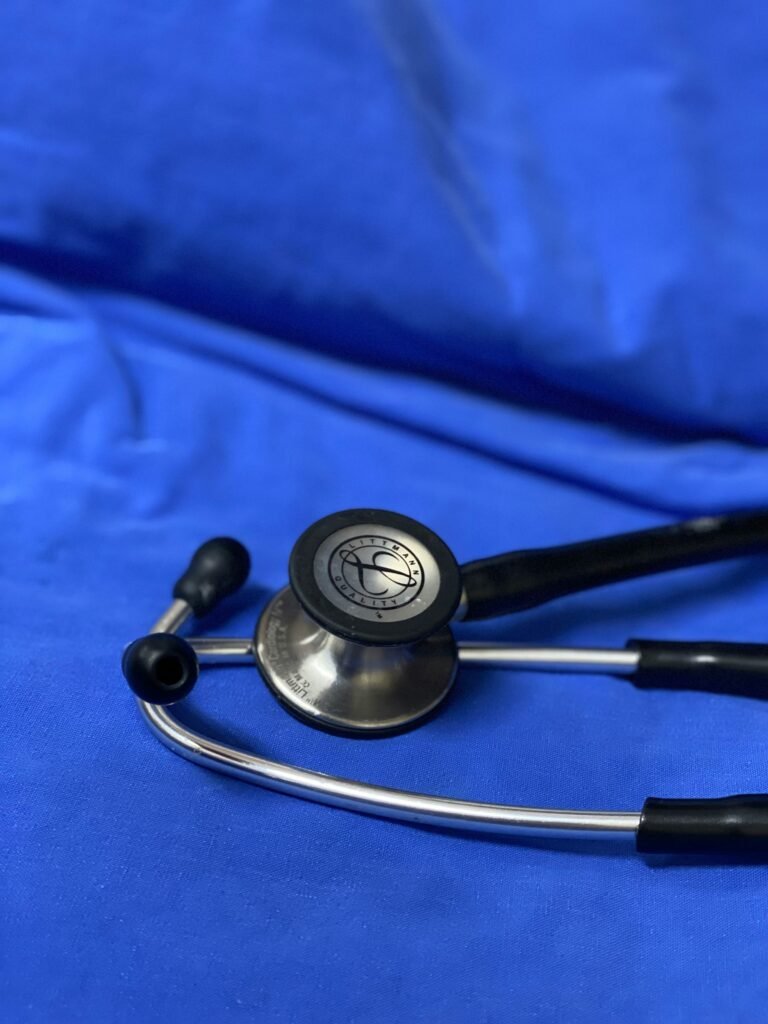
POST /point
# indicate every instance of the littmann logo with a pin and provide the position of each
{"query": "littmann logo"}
(376, 572)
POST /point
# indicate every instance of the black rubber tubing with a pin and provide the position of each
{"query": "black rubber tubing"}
(737, 669)
(525, 579)
(731, 826)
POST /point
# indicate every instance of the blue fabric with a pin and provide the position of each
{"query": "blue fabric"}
(502, 269)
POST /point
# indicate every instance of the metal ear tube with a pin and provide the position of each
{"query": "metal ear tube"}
(361, 643)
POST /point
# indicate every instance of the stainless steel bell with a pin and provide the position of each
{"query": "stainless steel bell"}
(359, 642)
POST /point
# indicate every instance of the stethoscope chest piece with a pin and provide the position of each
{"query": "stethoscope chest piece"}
(346, 687)
(359, 643)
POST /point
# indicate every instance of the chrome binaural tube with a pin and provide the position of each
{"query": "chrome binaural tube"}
(173, 618)
(538, 659)
(211, 649)
(549, 659)
(365, 797)
(399, 804)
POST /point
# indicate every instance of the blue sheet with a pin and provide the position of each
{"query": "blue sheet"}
(500, 269)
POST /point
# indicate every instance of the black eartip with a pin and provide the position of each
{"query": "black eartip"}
(218, 568)
(160, 668)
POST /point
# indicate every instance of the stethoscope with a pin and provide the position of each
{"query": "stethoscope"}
(360, 643)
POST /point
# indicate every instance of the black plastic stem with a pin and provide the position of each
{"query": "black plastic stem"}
(739, 669)
(524, 579)
(735, 826)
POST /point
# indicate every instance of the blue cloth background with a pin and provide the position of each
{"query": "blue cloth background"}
(500, 267)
